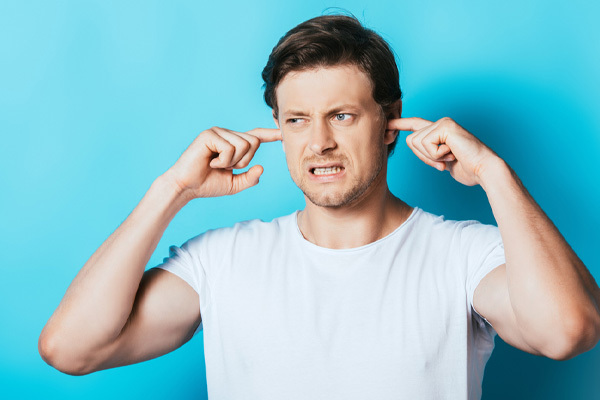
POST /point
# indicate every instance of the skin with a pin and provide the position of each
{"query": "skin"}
(328, 117)
(543, 300)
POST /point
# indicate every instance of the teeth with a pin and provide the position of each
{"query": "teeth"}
(327, 171)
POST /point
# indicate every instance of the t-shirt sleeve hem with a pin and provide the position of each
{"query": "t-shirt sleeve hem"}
(185, 277)
(495, 263)
(181, 274)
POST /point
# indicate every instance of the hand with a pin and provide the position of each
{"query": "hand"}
(205, 169)
(445, 145)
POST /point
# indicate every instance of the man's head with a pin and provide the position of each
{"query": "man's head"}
(334, 40)
(332, 85)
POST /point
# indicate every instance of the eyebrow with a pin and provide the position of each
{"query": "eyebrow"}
(334, 110)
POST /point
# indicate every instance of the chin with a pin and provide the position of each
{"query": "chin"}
(326, 201)
(334, 200)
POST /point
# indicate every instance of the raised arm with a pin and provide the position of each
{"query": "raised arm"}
(114, 313)
(543, 300)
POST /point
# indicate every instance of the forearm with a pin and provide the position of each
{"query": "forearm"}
(552, 293)
(99, 301)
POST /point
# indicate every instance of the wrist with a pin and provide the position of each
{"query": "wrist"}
(170, 188)
(495, 171)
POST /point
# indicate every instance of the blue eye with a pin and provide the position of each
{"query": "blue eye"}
(337, 117)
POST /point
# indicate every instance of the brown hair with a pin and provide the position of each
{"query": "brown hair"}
(331, 40)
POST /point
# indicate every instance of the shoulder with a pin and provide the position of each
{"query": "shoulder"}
(245, 232)
(428, 220)
(460, 233)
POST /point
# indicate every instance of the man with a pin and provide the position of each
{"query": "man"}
(359, 295)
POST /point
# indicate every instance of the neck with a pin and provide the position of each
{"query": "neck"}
(370, 218)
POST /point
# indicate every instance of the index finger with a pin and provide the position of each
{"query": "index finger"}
(266, 134)
(408, 124)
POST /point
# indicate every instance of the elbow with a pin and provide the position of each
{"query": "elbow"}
(60, 358)
(580, 333)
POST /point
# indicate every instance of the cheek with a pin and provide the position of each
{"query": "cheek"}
(291, 156)
(366, 153)
(292, 149)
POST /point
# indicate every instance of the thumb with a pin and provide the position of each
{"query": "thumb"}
(247, 179)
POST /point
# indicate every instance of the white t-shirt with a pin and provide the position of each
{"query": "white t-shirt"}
(286, 319)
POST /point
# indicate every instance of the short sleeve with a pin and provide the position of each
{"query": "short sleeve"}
(183, 263)
(483, 250)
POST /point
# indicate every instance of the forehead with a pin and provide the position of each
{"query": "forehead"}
(325, 87)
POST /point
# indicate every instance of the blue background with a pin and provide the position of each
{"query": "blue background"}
(97, 99)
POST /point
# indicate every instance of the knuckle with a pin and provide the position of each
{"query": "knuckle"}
(254, 141)
(228, 148)
(211, 131)
(447, 121)
(245, 146)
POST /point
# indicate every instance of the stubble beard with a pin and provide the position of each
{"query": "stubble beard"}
(342, 198)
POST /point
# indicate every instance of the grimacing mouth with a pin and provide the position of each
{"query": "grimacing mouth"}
(327, 171)
(328, 168)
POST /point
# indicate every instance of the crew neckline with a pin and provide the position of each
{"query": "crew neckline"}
(310, 244)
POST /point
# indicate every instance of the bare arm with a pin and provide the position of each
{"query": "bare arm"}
(543, 300)
(100, 299)
(106, 315)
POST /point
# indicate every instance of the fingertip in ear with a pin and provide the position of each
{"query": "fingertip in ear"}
(275, 118)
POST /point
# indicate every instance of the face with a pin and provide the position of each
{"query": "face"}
(333, 133)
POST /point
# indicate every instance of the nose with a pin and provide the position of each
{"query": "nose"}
(321, 138)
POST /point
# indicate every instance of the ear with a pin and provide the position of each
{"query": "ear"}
(393, 112)
(278, 127)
